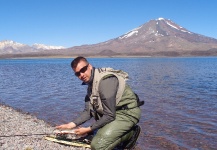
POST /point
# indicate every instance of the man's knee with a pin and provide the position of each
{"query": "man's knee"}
(96, 142)
(101, 142)
(93, 144)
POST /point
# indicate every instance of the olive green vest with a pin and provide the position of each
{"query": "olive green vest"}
(124, 94)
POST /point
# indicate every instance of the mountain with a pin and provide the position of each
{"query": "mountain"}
(159, 37)
(156, 37)
(12, 47)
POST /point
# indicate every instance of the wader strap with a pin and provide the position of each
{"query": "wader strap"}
(124, 107)
(139, 103)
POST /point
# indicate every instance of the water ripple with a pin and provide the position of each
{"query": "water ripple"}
(180, 94)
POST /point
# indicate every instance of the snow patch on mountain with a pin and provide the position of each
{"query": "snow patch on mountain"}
(160, 19)
(177, 27)
(130, 33)
(172, 25)
(7, 43)
(46, 47)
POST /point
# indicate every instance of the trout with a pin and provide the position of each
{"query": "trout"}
(67, 134)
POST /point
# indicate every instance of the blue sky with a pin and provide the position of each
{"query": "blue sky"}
(76, 22)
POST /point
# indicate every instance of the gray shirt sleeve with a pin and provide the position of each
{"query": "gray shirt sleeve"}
(107, 91)
(85, 115)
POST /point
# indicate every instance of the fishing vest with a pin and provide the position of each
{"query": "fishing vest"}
(102, 73)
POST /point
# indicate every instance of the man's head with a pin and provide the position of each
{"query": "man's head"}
(82, 68)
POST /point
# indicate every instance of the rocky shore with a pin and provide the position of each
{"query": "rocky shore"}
(21, 131)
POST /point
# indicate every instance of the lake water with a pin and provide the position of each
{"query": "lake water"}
(180, 94)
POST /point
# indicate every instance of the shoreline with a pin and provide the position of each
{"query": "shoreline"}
(59, 57)
(65, 57)
(23, 131)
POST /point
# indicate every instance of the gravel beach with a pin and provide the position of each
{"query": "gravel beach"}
(21, 131)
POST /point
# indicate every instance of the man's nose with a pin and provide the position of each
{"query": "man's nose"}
(81, 74)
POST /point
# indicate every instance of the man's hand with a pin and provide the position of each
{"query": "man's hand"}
(66, 126)
(82, 130)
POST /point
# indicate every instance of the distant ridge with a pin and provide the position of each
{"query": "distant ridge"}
(12, 47)
(159, 37)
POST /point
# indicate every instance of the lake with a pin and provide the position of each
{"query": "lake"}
(180, 95)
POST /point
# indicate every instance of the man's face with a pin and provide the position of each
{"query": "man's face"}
(83, 71)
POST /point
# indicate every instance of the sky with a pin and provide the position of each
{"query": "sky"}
(71, 23)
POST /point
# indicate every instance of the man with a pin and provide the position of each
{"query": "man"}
(111, 102)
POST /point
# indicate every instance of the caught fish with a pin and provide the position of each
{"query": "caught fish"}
(67, 134)
(65, 131)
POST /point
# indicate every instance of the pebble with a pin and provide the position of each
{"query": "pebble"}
(21, 131)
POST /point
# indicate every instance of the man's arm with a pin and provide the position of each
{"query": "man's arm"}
(84, 116)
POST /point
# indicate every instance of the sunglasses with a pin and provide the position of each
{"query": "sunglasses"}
(83, 70)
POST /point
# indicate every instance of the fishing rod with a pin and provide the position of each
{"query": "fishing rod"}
(35, 134)
(56, 132)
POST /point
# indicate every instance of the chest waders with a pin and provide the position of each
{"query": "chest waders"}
(127, 110)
